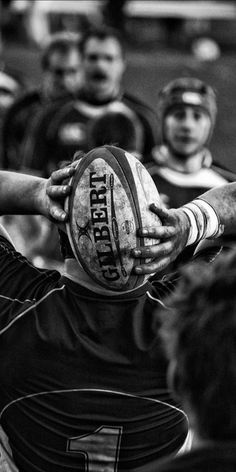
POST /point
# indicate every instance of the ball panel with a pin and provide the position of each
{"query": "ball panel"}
(144, 191)
(147, 193)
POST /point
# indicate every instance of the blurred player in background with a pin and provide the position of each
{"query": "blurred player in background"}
(63, 131)
(61, 77)
(182, 165)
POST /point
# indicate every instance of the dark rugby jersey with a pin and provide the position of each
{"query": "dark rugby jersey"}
(60, 131)
(83, 376)
(15, 125)
(180, 188)
(20, 120)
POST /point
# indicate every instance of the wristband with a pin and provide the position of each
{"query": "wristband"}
(214, 228)
(193, 230)
(200, 219)
(204, 221)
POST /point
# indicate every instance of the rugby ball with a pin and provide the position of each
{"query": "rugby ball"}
(109, 202)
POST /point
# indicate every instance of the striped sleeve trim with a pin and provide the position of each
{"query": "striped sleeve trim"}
(28, 309)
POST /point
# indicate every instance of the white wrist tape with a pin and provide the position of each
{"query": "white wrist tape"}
(214, 228)
(193, 230)
(204, 221)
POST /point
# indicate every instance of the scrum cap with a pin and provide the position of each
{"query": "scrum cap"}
(187, 91)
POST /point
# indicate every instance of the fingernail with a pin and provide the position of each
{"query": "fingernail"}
(136, 252)
(138, 270)
(60, 215)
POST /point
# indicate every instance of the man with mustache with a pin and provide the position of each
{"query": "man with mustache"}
(61, 133)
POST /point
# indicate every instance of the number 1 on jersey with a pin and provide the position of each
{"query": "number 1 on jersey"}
(100, 448)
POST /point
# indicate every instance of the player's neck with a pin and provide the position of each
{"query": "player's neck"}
(99, 99)
(74, 271)
(190, 165)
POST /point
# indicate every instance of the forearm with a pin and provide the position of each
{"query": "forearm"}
(20, 193)
(223, 200)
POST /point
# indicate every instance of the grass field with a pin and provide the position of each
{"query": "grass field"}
(148, 71)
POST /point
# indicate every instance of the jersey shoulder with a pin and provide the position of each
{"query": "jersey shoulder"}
(228, 174)
(26, 100)
(134, 101)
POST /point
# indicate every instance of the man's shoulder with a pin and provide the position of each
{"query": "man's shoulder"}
(22, 103)
(50, 113)
(22, 284)
(28, 98)
(226, 173)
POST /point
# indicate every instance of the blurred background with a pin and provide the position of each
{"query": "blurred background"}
(164, 39)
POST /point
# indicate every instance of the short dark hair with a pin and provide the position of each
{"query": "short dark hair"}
(101, 33)
(62, 42)
(199, 336)
(116, 128)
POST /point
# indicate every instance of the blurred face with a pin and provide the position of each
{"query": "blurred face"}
(63, 75)
(186, 130)
(103, 67)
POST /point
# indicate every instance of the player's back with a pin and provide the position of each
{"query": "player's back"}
(84, 387)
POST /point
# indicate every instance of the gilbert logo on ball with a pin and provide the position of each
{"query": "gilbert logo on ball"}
(111, 194)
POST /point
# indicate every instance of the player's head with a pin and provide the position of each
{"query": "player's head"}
(187, 113)
(103, 63)
(199, 334)
(61, 65)
(119, 127)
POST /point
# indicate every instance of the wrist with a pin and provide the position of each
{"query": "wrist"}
(185, 224)
(39, 200)
(203, 220)
(18, 193)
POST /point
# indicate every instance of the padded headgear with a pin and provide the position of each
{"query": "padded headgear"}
(187, 91)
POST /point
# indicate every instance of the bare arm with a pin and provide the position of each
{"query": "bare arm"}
(173, 235)
(223, 200)
(27, 194)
